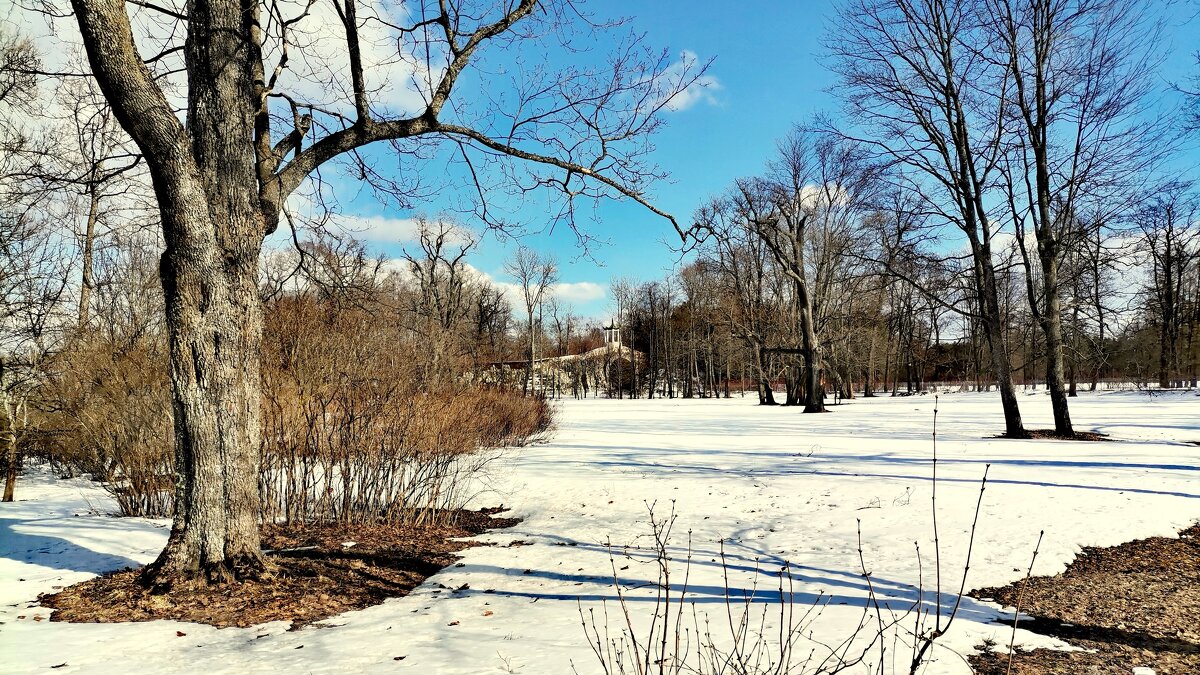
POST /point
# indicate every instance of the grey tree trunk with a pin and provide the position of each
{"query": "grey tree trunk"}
(1050, 319)
(209, 274)
(213, 224)
(766, 396)
(221, 180)
(8, 446)
(1056, 374)
(87, 282)
(1051, 324)
(814, 393)
(993, 328)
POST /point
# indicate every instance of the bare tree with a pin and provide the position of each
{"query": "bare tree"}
(33, 267)
(251, 135)
(734, 247)
(816, 181)
(911, 72)
(98, 164)
(535, 274)
(1170, 239)
(443, 284)
(1079, 73)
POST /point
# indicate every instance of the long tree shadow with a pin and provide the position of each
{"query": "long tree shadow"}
(899, 598)
(630, 462)
(56, 552)
(752, 574)
(1117, 636)
(753, 561)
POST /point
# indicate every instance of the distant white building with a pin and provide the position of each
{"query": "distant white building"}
(592, 373)
(612, 334)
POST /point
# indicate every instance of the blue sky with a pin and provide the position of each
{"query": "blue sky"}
(769, 76)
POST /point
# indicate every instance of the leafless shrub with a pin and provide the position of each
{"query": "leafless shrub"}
(759, 632)
(351, 435)
(114, 422)
(107, 402)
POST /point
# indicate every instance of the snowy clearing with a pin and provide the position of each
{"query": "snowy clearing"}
(774, 484)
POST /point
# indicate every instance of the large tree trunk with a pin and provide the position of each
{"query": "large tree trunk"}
(1056, 380)
(793, 384)
(993, 327)
(206, 183)
(810, 350)
(215, 322)
(814, 393)
(765, 394)
(214, 226)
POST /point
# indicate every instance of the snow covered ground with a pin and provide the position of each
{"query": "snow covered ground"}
(774, 484)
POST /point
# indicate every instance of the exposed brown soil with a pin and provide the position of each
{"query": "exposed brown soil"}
(1052, 435)
(1135, 604)
(316, 574)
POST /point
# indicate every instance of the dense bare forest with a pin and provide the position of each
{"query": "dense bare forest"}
(830, 275)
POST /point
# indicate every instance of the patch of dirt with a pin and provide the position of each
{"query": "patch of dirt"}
(1052, 435)
(317, 573)
(1132, 605)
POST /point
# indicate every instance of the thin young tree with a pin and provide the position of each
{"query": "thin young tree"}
(97, 165)
(734, 248)
(443, 284)
(265, 106)
(534, 274)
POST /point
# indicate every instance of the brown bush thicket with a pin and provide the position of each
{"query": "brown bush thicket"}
(113, 422)
(107, 399)
(355, 426)
(352, 435)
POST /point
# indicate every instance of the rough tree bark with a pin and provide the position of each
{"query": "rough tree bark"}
(213, 225)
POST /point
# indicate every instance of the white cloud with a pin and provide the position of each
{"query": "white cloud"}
(369, 228)
(570, 291)
(579, 291)
(702, 90)
(376, 229)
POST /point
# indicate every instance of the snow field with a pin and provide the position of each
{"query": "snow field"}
(772, 484)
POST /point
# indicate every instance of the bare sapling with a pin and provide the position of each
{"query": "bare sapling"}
(925, 636)
(782, 638)
(1012, 640)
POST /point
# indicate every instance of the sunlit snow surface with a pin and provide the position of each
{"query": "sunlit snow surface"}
(774, 484)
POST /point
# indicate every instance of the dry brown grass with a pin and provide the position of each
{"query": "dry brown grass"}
(354, 429)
